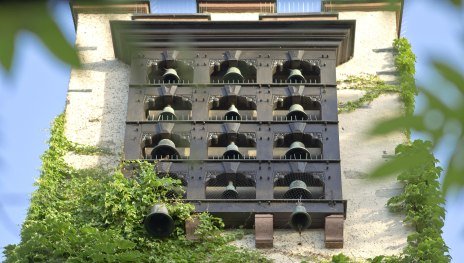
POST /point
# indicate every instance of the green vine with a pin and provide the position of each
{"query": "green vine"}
(373, 87)
(405, 66)
(97, 216)
(423, 203)
(405, 63)
(422, 200)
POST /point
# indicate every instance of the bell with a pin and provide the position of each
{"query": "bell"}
(233, 74)
(296, 76)
(232, 152)
(230, 192)
(300, 219)
(296, 112)
(298, 190)
(168, 113)
(297, 151)
(158, 223)
(164, 148)
(232, 114)
(170, 76)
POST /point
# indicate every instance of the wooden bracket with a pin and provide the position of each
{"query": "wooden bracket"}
(334, 231)
(264, 231)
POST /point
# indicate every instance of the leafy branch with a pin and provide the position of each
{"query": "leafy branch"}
(438, 120)
(33, 17)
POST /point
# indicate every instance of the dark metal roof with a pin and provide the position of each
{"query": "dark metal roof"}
(145, 35)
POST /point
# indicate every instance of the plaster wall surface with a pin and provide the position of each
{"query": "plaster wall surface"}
(96, 111)
(97, 96)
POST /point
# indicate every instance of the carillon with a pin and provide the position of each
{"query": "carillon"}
(249, 126)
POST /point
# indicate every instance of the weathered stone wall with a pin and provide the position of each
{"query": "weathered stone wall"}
(96, 112)
(97, 96)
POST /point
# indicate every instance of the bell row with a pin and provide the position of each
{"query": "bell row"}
(232, 103)
(231, 141)
(234, 66)
(248, 181)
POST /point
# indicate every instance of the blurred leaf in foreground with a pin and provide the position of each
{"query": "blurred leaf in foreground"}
(439, 120)
(34, 17)
(456, 2)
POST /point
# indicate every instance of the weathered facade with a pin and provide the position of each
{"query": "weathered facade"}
(112, 103)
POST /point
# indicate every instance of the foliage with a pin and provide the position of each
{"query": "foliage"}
(373, 86)
(440, 120)
(34, 17)
(405, 65)
(97, 216)
(423, 202)
(340, 258)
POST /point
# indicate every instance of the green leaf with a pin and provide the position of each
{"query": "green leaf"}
(7, 41)
(33, 17)
(450, 74)
(47, 30)
(399, 164)
(457, 3)
(398, 123)
(454, 177)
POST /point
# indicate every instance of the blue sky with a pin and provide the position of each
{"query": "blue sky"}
(35, 92)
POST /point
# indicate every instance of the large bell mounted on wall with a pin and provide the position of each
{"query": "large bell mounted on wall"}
(300, 219)
(171, 76)
(230, 192)
(298, 190)
(232, 114)
(165, 149)
(168, 113)
(296, 76)
(233, 75)
(158, 222)
(232, 152)
(297, 151)
(296, 112)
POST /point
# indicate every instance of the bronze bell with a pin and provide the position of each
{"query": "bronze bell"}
(300, 219)
(296, 76)
(170, 76)
(232, 152)
(232, 114)
(233, 74)
(296, 112)
(158, 222)
(298, 190)
(165, 149)
(168, 113)
(230, 192)
(297, 151)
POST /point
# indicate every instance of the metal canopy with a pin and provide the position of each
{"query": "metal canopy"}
(132, 36)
